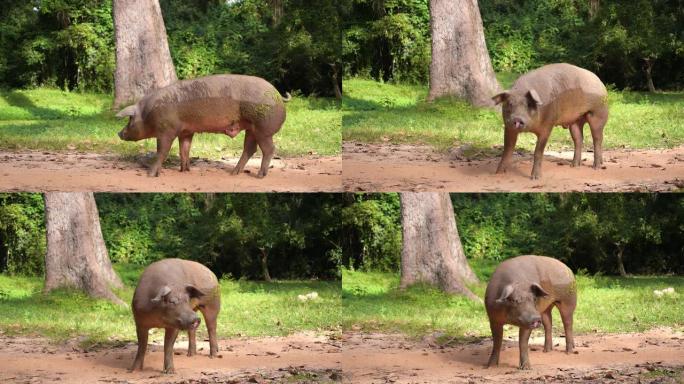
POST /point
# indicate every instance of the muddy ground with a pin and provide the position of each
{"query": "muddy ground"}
(40, 171)
(390, 167)
(656, 356)
(303, 357)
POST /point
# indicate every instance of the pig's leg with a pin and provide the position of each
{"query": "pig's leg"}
(576, 131)
(163, 147)
(169, 339)
(267, 151)
(185, 142)
(510, 138)
(566, 310)
(192, 342)
(548, 335)
(210, 317)
(597, 120)
(249, 148)
(497, 336)
(143, 333)
(524, 338)
(542, 138)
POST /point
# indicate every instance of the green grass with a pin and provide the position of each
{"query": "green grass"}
(50, 119)
(372, 301)
(247, 309)
(398, 113)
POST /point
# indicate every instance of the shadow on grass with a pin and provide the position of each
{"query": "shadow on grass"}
(18, 99)
(658, 98)
(288, 287)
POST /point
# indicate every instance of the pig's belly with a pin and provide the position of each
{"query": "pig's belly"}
(209, 115)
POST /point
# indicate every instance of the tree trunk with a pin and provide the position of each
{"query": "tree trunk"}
(76, 254)
(264, 265)
(460, 63)
(593, 8)
(337, 90)
(143, 60)
(648, 67)
(432, 251)
(621, 265)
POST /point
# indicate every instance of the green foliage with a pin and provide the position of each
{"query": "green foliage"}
(50, 119)
(398, 113)
(247, 309)
(22, 233)
(226, 232)
(69, 44)
(373, 302)
(387, 40)
(373, 225)
(616, 41)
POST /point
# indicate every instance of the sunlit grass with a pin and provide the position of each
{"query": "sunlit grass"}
(51, 119)
(398, 113)
(247, 309)
(372, 301)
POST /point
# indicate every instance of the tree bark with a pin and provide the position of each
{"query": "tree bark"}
(460, 63)
(621, 265)
(593, 8)
(648, 67)
(432, 251)
(143, 60)
(76, 254)
(264, 265)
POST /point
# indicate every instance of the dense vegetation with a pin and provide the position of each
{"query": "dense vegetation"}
(299, 233)
(69, 44)
(313, 235)
(586, 231)
(620, 40)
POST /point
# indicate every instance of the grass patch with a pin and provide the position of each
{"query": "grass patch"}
(398, 113)
(247, 309)
(51, 119)
(372, 301)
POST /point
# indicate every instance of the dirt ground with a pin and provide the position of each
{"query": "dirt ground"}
(40, 171)
(303, 357)
(656, 356)
(622, 358)
(389, 167)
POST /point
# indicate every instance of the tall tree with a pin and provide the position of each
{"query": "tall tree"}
(432, 250)
(143, 60)
(460, 63)
(76, 254)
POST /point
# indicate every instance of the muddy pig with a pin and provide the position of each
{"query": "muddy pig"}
(555, 94)
(523, 291)
(224, 104)
(168, 294)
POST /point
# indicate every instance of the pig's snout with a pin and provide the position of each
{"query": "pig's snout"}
(189, 323)
(518, 123)
(535, 322)
(121, 135)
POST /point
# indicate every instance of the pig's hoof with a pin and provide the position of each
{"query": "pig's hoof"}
(190, 354)
(235, 172)
(535, 177)
(525, 367)
(169, 371)
(153, 174)
(548, 349)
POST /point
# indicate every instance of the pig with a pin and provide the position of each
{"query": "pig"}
(523, 291)
(168, 294)
(555, 94)
(226, 104)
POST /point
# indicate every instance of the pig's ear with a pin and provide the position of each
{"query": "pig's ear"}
(500, 98)
(538, 290)
(163, 291)
(533, 98)
(131, 110)
(505, 294)
(193, 292)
